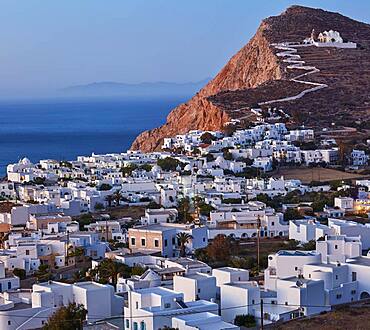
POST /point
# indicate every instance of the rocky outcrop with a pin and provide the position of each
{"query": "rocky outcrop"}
(252, 65)
(256, 73)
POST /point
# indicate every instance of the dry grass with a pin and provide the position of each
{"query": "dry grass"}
(347, 318)
(306, 175)
(267, 246)
(134, 212)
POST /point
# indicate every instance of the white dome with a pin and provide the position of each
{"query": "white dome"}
(25, 161)
(156, 169)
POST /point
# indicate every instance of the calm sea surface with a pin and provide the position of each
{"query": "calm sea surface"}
(64, 129)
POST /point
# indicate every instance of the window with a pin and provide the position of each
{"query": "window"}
(309, 275)
(9, 322)
(133, 241)
(336, 247)
(135, 326)
(127, 323)
(143, 242)
(198, 290)
(204, 239)
(27, 252)
(252, 301)
(336, 277)
(354, 276)
(9, 285)
(142, 325)
(165, 242)
(272, 223)
(339, 296)
(137, 305)
(296, 268)
(156, 243)
(167, 305)
(173, 241)
(353, 292)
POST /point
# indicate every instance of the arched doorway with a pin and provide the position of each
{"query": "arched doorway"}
(364, 295)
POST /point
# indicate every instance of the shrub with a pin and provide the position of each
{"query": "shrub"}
(21, 273)
(245, 320)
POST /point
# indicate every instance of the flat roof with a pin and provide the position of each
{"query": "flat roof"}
(295, 279)
(187, 262)
(363, 261)
(153, 227)
(169, 270)
(296, 253)
(17, 306)
(89, 285)
(244, 284)
(205, 321)
(158, 290)
(198, 276)
(231, 269)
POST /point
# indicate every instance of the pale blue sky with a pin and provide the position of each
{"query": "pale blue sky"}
(47, 45)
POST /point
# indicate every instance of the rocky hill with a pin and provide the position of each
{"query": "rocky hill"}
(333, 87)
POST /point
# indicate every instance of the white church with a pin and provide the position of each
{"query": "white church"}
(328, 39)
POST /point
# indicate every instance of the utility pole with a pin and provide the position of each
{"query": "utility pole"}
(106, 230)
(67, 246)
(258, 243)
(261, 304)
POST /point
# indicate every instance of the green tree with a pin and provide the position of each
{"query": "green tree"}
(99, 206)
(84, 219)
(227, 155)
(153, 205)
(207, 138)
(183, 206)
(183, 239)
(319, 202)
(146, 167)
(21, 273)
(291, 244)
(221, 248)
(109, 199)
(43, 273)
(68, 317)
(210, 158)
(105, 187)
(117, 196)
(128, 169)
(292, 214)
(78, 276)
(168, 163)
(310, 245)
(245, 320)
(108, 270)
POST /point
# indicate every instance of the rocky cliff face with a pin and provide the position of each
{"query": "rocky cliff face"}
(254, 64)
(256, 72)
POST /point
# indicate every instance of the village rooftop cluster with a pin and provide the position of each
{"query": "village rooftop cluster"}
(204, 192)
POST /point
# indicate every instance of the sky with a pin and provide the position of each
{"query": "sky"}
(49, 45)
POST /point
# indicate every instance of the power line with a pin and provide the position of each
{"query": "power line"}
(192, 312)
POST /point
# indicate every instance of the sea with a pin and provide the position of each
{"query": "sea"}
(63, 129)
